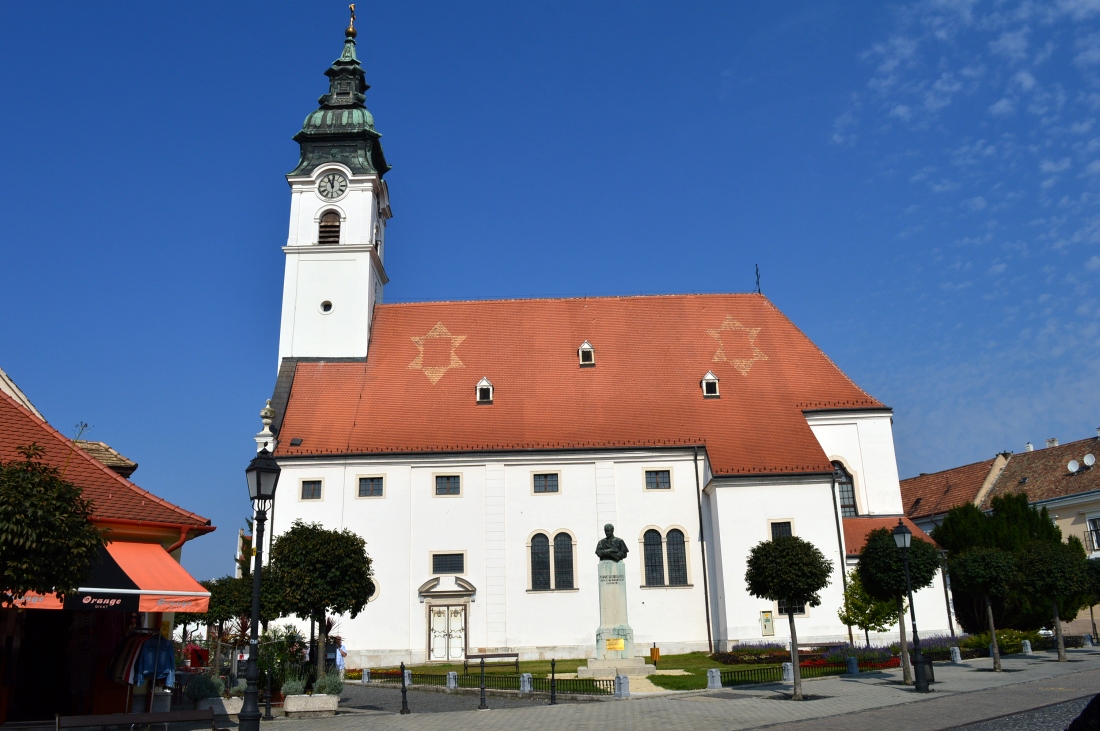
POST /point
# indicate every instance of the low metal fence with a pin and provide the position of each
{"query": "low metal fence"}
(822, 669)
(870, 666)
(750, 676)
(574, 686)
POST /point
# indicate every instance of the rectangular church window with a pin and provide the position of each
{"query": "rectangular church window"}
(370, 487)
(658, 480)
(798, 608)
(546, 483)
(781, 530)
(448, 485)
(448, 563)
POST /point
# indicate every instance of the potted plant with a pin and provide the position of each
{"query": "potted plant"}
(323, 702)
(207, 691)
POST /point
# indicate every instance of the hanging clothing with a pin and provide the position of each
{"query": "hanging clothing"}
(156, 659)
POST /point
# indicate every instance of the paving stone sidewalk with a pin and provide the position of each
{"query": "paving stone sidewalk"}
(965, 694)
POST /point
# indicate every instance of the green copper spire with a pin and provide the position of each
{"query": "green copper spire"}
(342, 130)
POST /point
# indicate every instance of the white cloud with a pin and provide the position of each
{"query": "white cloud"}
(998, 268)
(1012, 44)
(1003, 107)
(1079, 9)
(1093, 168)
(1088, 50)
(1093, 264)
(1082, 128)
(976, 203)
(902, 112)
(1054, 166)
(1025, 80)
(844, 128)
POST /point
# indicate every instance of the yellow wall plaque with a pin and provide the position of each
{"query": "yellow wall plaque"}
(614, 643)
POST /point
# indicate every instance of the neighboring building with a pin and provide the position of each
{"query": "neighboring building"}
(929, 496)
(1063, 478)
(138, 575)
(480, 447)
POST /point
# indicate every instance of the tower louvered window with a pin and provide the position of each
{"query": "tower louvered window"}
(540, 562)
(677, 558)
(563, 561)
(654, 558)
(329, 229)
(847, 491)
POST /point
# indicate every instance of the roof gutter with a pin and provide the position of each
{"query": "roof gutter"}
(702, 548)
(199, 529)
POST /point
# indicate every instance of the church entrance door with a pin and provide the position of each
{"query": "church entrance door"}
(447, 635)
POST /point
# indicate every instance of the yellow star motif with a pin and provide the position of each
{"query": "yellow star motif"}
(743, 365)
(434, 373)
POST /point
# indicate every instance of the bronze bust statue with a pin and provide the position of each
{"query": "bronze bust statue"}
(611, 548)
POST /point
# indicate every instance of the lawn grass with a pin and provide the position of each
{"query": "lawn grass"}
(695, 663)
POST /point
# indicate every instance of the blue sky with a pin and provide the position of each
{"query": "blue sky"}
(919, 183)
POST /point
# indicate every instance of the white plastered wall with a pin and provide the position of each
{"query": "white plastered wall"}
(864, 442)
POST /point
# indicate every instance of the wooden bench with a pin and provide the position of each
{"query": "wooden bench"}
(135, 719)
(489, 656)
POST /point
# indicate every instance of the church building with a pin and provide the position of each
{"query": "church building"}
(480, 447)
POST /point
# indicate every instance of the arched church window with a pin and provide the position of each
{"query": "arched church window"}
(563, 561)
(328, 231)
(540, 562)
(677, 558)
(652, 555)
(847, 490)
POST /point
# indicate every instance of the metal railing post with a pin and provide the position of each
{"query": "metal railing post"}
(483, 706)
(404, 693)
(267, 703)
(553, 683)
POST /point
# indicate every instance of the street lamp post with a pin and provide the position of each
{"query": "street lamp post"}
(263, 477)
(903, 537)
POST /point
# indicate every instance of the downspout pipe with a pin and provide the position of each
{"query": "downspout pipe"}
(840, 547)
(703, 548)
(183, 539)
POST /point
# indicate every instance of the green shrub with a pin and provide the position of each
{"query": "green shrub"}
(329, 684)
(294, 684)
(237, 691)
(1009, 641)
(204, 686)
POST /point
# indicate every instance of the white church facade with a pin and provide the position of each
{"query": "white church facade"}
(480, 447)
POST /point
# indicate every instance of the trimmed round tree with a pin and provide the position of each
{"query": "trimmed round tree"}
(47, 542)
(322, 571)
(1056, 573)
(791, 570)
(989, 572)
(862, 611)
(882, 573)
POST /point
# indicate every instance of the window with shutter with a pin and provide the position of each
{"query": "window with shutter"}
(329, 228)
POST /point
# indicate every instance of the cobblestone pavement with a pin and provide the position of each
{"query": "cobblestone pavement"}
(1048, 718)
(965, 694)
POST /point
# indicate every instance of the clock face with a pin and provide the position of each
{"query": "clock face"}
(332, 185)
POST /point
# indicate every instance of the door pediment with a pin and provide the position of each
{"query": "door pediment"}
(447, 587)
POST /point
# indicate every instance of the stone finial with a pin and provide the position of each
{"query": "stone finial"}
(265, 439)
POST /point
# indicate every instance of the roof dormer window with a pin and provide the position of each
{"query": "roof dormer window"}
(709, 385)
(484, 391)
(586, 354)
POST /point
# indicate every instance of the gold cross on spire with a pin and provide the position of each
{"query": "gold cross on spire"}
(350, 32)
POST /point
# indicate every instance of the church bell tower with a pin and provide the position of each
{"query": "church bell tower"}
(338, 212)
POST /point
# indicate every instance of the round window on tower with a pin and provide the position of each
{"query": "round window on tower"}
(326, 307)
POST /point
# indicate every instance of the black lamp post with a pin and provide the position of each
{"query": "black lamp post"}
(263, 477)
(903, 537)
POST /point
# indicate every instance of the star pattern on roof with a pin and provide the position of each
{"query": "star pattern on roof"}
(435, 372)
(743, 365)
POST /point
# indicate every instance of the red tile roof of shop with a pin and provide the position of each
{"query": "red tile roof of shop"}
(415, 390)
(113, 496)
(857, 529)
(938, 492)
(1046, 472)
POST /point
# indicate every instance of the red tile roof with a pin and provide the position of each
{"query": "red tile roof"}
(1046, 473)
(113, 496)
(857, 529)
(938, 492)
(415, 391)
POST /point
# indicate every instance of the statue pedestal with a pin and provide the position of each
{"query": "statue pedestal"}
(614, 638)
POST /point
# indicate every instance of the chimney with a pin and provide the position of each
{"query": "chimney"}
(1028, 447)
(1052, 442)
